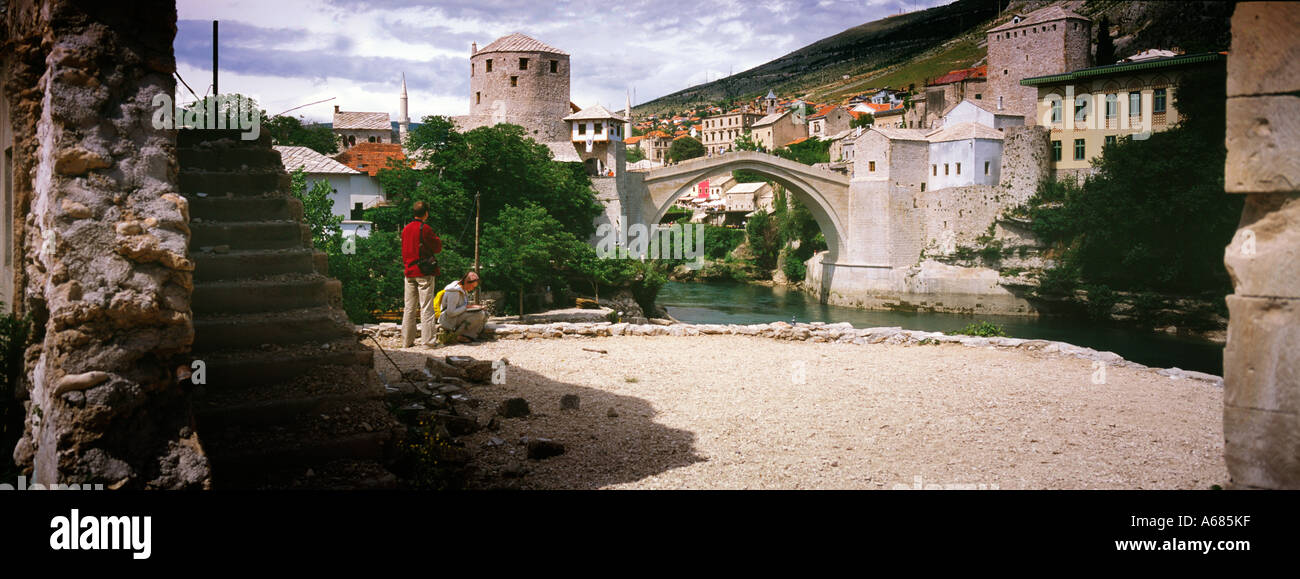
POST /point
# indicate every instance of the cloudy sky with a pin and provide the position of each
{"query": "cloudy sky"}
(287, 53)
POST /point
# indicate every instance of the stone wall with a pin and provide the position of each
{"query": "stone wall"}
(1025, 161)
(1261, 398)
(105, 236)
(955, 216)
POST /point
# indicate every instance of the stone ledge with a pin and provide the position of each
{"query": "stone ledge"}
(839, 333)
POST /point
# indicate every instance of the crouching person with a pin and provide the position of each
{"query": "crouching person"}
(459, 317)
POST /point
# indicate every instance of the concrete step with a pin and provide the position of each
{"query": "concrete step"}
(286, 292)
(219, 183)
(255, 368)
(250, 234)
(302, 326)
(254, 264)
(227, 158)
(276, 208)
(245, 467)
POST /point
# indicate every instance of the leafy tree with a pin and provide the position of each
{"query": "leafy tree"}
(318, 210)
(863, 121)
(763, 239)
(522, 246)
(746, 143)
(1105, 46)
(808, 151)
(635, 154)
(290, 131)
(685, 148)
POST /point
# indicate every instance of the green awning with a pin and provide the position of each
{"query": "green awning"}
(1124, 67)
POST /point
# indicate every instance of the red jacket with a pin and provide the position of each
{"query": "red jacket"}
(418, 241)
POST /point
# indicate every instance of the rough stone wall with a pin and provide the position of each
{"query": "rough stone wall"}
(1034, 50)
(1261, 363)
(955, 216)
(362, 136)
(105, 239)
(539, 102)
(1026, 160)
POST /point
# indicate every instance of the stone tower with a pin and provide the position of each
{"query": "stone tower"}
(769, 103)
(1052, 40)
(517, 79)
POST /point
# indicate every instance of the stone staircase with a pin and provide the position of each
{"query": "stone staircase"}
(291, 398)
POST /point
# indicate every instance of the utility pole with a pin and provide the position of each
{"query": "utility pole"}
(215, 92)
(476, 217)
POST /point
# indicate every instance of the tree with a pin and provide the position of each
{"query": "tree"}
(685, 148)
(1105, 46)
(317, 210)
(808, 151)
(746, 143)
(521, 246)
(635, 154)
(863, 121)
(290, 131)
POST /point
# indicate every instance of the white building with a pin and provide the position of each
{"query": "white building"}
(964, 154)
(351, 189)
(982, 112)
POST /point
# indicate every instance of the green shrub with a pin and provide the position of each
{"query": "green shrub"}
(15, 336)
(982, 329)
(1101, 301)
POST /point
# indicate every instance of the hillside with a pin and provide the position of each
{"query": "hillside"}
(907, 49)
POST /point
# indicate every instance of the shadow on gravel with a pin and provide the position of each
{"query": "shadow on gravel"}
(608, 440)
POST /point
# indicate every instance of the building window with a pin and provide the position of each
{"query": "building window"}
(471, 69)
(979, 96)
(1056, 110)
(555, 66)
(478, 98)
(600, 128)
(1134, 104)
(514, 81)
(1078, 149)
(871, 165)
(523, 64)
(1112, 106)
(922, 187)
(1159, 106)
(986, 167)
(1110, 140)
(371, 140)
(582, 128)
(959, 168)
(1081, 110)
(945, 169)
(999, 102)
(934, 170)
(1056, 150)
(489, 65)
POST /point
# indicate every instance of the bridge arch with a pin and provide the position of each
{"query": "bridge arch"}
(823, 192)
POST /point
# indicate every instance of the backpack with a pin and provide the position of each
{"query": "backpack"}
(437, 305)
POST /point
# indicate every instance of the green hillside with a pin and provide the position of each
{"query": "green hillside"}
(907, 49)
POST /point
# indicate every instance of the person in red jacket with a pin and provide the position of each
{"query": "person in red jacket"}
(419, 244)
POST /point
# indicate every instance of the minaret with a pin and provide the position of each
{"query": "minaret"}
(771, 102)
(627, 133)
(403, 121)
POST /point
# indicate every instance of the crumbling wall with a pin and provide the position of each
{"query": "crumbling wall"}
(1025, 162)
(1261, 363)
(104, 245)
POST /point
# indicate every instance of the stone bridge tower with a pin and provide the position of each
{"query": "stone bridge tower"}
(517, 79)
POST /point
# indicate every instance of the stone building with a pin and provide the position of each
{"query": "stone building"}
(655, 145)
(596, 133)
(358, 127)
(721, 131)
(1110, 102)
(777, 129)
(964, 154)
(1047, 41)
(828, 121)
(520, 80)
(944, 91)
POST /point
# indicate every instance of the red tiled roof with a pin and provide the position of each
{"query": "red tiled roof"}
(369, 158)
(960, 75)
(879, 107)
(633, 140)
(821, 112)
(796, 141)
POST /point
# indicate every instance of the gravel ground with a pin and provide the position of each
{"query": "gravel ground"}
(730, 412)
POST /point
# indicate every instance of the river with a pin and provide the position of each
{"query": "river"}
(734, 303)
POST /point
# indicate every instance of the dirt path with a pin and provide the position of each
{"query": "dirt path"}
(730, 412)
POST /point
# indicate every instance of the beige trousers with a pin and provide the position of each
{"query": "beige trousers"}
(419, 301)
(468, 324)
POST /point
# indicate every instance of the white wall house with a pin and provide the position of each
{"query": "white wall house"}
(982, 112)
(964, 154)
(350, 187)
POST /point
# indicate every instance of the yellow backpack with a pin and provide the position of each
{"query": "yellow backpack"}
(437, 305)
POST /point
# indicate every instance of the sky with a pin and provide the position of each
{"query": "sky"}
(288, 53)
